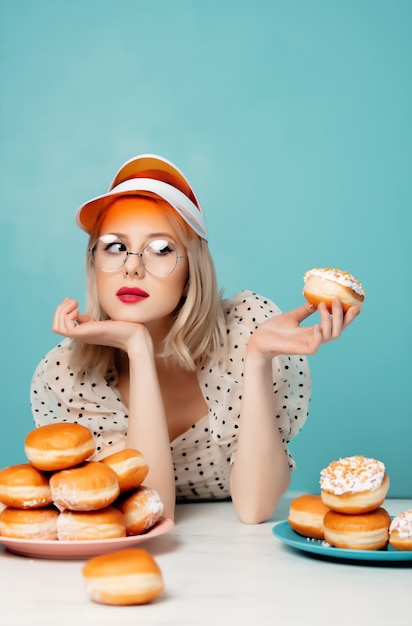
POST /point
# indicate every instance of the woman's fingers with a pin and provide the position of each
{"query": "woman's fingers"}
(303, 311)
(350, 315)
(82, 319)
(315, 341)
(69, 322)
(331, 324)
(65, 317)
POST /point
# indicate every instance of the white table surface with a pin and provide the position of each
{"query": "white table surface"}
(218, 571)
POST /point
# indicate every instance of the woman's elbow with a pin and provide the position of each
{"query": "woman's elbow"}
(257, 511)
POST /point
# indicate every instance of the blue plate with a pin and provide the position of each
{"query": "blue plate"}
(284, 532)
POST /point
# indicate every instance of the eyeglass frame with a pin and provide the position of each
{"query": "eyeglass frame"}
(128, 253)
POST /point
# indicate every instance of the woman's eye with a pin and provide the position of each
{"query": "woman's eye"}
(160, 247)
(117, 247)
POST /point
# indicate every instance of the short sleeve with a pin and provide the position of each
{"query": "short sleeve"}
(59, 394)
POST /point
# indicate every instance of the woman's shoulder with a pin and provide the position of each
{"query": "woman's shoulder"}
(57, 357)
(246, 305)
(61, 350)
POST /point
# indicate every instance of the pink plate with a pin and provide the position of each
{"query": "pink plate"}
(81, 549)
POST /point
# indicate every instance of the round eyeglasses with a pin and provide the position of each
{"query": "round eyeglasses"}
(158, 257)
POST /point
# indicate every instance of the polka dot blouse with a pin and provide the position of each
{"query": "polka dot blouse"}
(202, 456)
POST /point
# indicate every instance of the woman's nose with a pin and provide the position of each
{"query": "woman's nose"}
(133, 264)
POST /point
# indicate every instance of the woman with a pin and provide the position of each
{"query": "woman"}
(209, 390)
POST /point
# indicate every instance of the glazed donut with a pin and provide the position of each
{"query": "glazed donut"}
(365, 531)
(59, 446)
(324, 284)
(141, 510)
(107, 523)
(24, 487)
(306, 515)
(39, 524)
(355, 484)
(400, 531)
(123, 577)
(88, 487)
(130, 467)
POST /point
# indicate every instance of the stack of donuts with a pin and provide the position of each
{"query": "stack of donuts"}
(61, 495)
(354, 488)
(348, 513)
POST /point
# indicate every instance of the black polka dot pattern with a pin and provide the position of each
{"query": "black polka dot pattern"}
(202, 456)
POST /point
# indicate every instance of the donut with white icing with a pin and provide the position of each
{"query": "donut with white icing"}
(325, 284)
(355, 484)
(400, 531)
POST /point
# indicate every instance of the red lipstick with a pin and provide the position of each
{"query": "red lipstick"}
(131, 294)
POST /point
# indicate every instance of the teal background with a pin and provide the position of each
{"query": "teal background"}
(292, 120)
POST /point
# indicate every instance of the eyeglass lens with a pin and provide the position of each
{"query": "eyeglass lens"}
(159, 257)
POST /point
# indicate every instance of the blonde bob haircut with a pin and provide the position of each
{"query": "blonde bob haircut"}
(198, 331)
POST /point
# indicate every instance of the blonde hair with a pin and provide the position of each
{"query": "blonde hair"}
(198, 333)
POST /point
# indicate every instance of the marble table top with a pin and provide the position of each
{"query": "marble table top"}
(218, 571)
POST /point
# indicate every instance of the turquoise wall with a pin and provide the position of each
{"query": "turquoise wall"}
(291, 118)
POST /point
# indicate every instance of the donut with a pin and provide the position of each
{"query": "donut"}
(354, 484)
(141, 509)
(23, 486)
(88, 487)
(400, 531)
(59, 446)
(39, 524)
(130, 467)
(325, 284)
(107, 523)
(306, 515)
(123, 577)
(364, 531)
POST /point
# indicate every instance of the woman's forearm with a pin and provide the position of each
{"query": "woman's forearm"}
(147, 429)
(260, 473)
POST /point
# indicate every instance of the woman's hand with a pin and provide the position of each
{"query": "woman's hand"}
(283, 334)
(69, 322)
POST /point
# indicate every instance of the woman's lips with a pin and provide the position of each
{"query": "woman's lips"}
(131, 294)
